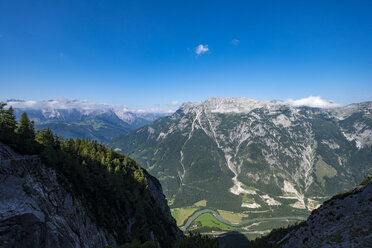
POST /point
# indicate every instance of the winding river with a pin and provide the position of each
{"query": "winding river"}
(242, 223)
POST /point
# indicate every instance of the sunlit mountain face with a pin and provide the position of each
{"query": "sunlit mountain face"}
(254, 159)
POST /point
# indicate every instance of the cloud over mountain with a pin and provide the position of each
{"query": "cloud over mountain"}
(313, 102)
(173, 103)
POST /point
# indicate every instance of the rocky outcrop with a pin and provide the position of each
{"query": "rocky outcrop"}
(37, 211)
(343, 221)
(156, 192)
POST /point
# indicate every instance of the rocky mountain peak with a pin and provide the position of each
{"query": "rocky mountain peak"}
(229, 105)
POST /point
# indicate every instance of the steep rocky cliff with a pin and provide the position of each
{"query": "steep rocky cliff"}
(37, 210)
(343, 221)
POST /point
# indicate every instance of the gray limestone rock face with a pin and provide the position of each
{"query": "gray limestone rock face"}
(156, 192)
(36, 210)
(343, 221)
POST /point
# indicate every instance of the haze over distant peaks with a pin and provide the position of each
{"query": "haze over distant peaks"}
(75, 110)
(64, 103)
(85, 119)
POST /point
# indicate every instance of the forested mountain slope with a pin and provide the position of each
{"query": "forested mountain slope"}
(241, 154)
(74, 193)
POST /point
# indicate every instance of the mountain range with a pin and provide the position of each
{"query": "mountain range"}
(84, 119)
(257, 158)
(243, 165)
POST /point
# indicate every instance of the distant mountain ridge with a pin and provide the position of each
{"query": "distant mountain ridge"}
(240, 154)
(84, 119)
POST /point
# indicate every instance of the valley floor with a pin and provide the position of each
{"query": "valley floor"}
(215, 222)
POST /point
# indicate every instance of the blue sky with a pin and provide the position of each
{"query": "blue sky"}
(143, 54)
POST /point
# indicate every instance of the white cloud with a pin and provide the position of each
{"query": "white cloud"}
(173, 103)
(235, 42)
(313, 102)
(201, 49)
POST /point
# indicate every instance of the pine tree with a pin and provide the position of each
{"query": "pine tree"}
(26, 134)
(26, 128)
(7, 124)
(7, 118)
(45, 137)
